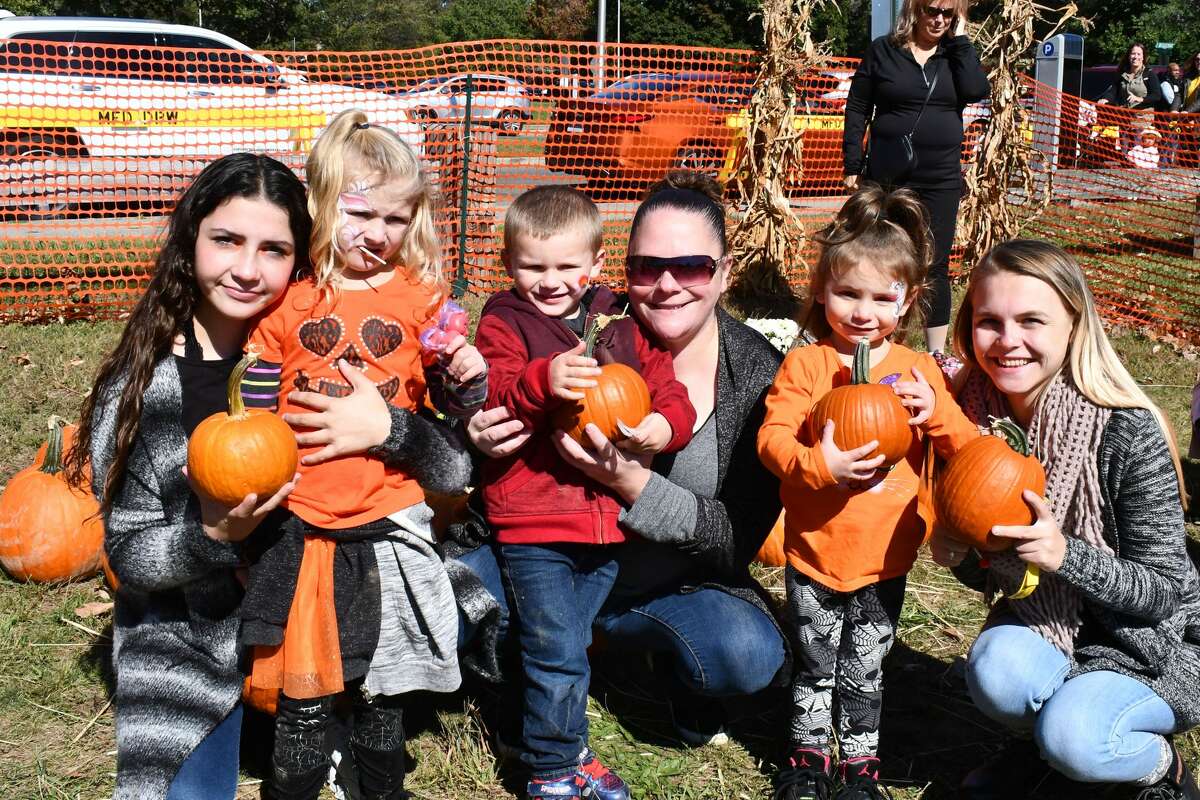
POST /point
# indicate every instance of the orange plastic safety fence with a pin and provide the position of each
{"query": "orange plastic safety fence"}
(99, 140)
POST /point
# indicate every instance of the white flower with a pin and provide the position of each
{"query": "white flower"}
(781, 333)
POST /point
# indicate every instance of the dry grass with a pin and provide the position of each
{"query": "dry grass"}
(56, 735)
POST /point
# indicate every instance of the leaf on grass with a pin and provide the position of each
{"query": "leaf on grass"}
(88, 610)
(77, 362)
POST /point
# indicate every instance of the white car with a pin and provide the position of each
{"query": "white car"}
(496, 99)
(112, 90)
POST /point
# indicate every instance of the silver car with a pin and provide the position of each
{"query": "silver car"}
(496, 99)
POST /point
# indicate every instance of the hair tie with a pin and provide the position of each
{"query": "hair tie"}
(362, 126)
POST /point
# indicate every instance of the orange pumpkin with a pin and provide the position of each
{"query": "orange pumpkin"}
(231, 455)
(620, 394)
(771, 553)
(863, 411)
(110, 577)
(264, 700)
(981, 487)
(49, 531)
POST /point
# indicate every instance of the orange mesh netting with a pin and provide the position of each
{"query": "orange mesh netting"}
(99, 140)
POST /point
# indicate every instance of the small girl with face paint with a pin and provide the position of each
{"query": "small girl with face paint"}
(352, 596)
(852, 530)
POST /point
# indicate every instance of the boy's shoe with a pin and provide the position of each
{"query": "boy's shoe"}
(1014, 771)
(569, 787)
(860, 780)
(600, 781)
(806, 776)
(1177, 784)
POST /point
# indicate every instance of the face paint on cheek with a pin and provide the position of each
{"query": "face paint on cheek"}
(900, 289)
(583, 281)
(348, 232)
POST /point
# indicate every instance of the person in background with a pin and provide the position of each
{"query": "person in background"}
(928, 43)
(1144, 154)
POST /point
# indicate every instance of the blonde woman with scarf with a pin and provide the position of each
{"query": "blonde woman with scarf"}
(1096, 669)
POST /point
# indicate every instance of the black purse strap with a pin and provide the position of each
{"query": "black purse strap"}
(928, 94)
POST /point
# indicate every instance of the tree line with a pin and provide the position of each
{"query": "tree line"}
(354, 25)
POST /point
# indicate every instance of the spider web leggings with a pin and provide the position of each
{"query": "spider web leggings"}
(842, 638)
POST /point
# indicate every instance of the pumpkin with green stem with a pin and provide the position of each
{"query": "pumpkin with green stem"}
(863, 412)
(244, 451)
(49, 530)
(620, 397)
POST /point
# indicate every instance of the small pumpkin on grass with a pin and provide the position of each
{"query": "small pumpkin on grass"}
(862, 412)
(244, 451)
(771, 553)
(49, 530)
(981, 487)
(620, 396)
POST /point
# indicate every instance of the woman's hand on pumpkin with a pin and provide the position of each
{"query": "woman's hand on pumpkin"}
(462, 360)
(224, 524)
(916, 395)
(1042, 543)
(849, 466)
(604, 462)
(572, 371)
(496, 434)
(945, 551)
(651, 436)
(344, 425)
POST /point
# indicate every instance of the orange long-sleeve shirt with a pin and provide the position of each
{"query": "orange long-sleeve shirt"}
(840, 537)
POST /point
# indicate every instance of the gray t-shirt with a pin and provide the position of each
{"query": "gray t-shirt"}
(668, 506)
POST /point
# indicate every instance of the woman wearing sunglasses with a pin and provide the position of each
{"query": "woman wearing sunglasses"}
(911, 88)
(684, 594)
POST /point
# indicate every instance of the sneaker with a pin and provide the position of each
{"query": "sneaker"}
(1014, 771)
(1177, 784)
(568, 786)
(601, 782)
(807, 776)
(860, 780)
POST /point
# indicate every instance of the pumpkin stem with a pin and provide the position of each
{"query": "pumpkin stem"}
(598, 324)
(233, 390)
(1012, 433)
(860, 372)
(54, 446)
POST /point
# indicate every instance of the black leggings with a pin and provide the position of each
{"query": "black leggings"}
(942, 205)
(300, 766)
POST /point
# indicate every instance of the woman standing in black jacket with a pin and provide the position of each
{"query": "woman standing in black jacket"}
(1135, 85)
(892, 82)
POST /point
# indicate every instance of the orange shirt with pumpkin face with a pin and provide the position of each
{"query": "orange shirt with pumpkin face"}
(377, 331)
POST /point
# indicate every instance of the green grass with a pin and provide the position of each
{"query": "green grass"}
(54, 679)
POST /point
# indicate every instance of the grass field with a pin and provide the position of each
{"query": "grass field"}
(56, 730)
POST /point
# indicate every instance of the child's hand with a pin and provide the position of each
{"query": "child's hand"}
(462, 360)
(651, 435)
(916, 395)
(572, 371)
(849, 466)
(224, 524)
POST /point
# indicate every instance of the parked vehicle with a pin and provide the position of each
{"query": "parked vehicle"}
(496, 99)
(114, 90)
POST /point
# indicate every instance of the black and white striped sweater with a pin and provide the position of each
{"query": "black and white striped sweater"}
(176, 620)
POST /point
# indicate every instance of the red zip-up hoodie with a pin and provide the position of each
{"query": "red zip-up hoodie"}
(533, 496)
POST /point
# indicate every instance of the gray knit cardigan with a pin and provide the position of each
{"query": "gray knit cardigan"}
(176, 621)
(1145, 598)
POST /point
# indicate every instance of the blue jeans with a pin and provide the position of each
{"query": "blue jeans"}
(1099, 727)
(719, 645)
(556, 591)
(211, 771)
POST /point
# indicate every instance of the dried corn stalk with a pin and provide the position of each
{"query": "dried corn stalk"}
(768, 238)
(1007, 167)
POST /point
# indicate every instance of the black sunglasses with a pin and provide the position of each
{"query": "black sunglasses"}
(687, 271)
(945, 13)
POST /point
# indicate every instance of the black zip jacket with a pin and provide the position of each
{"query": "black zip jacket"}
(891, 84)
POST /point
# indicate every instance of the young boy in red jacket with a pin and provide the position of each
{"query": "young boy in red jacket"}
(556, 527)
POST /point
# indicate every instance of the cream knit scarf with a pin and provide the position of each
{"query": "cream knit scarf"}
(1065, 434)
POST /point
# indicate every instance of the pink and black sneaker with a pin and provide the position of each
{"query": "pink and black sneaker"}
(860, 780)
(807, 775)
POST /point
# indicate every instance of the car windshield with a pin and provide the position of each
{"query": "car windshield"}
(431, 83)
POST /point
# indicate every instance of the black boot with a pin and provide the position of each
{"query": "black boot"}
(1177, 784)
(1013, 772)
(807, 775)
